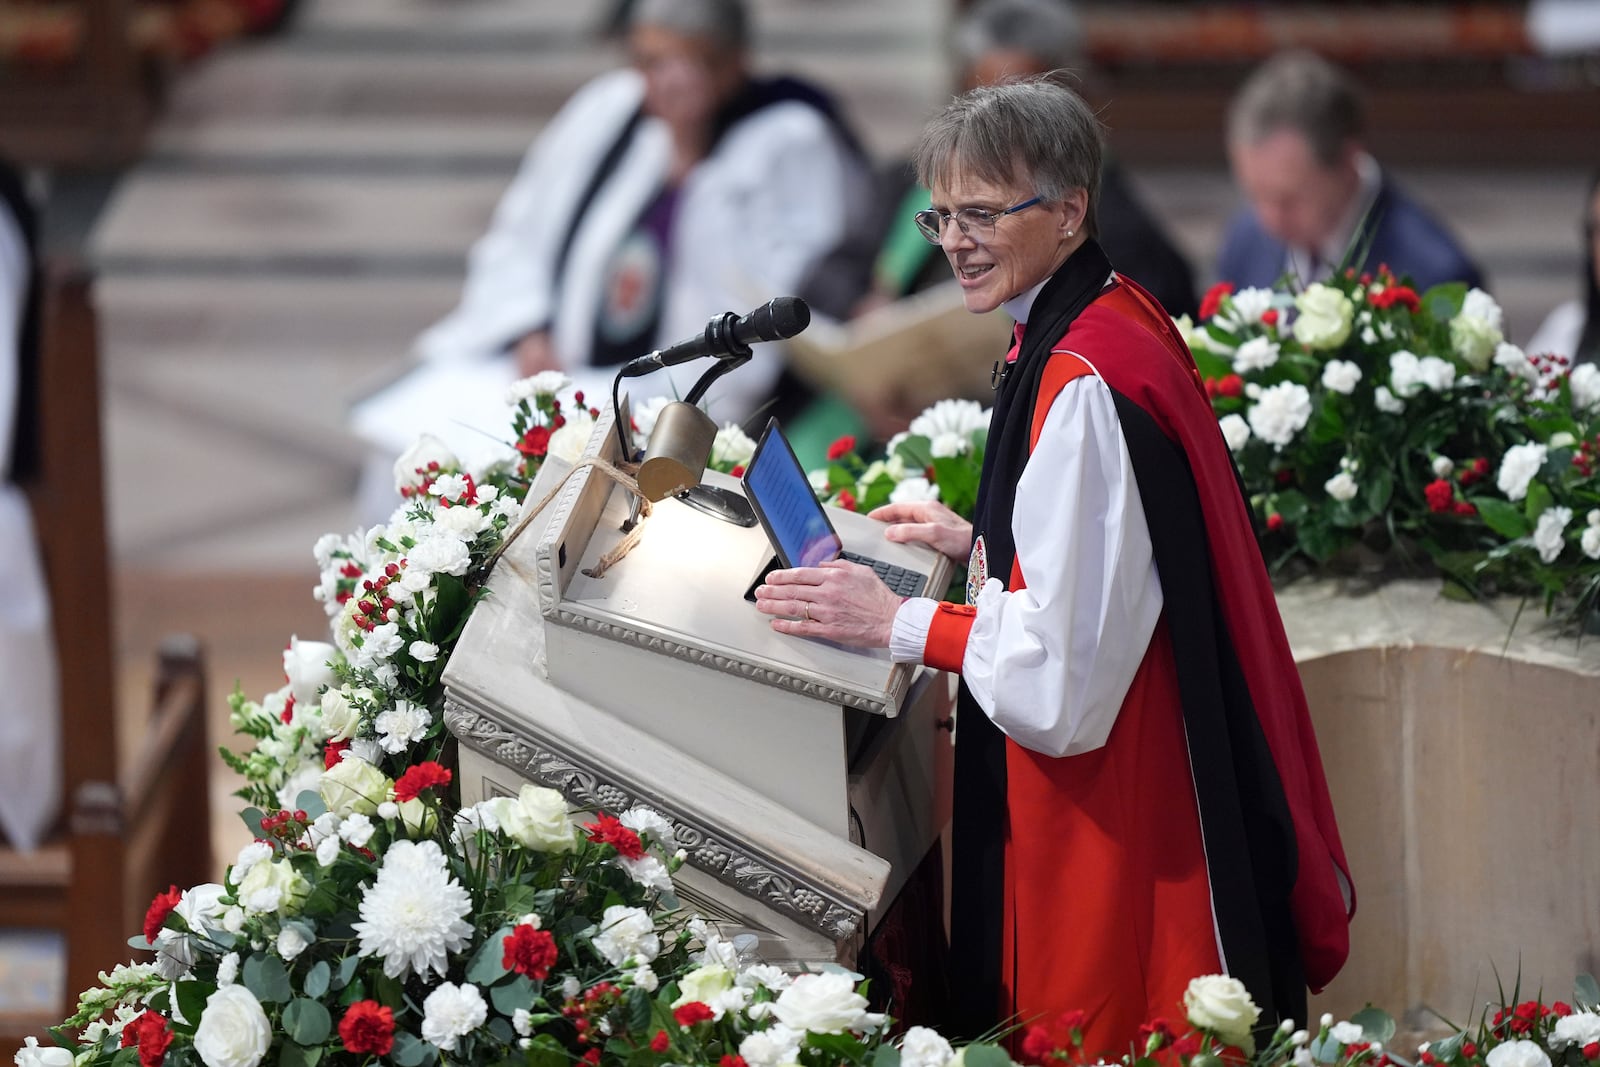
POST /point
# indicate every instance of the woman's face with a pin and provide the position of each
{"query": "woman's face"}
(686, 79)
(1025, 248)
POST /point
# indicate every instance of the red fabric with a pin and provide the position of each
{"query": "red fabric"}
(946, 646)
(1147, 363)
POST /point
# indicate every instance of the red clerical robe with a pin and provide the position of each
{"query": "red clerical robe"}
(1199, 838)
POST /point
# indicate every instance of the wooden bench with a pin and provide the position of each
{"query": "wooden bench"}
(129, 827)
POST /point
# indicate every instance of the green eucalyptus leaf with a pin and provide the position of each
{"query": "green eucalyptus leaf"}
(310, 802)
(1375, 1025)
(192, 997)
(307, 1022)
(520, 993)
(317, 980)
(1587, 993)
(986, 1055)
(886, 1056)
(266, 977)
(347, 971)
(408, 1051)
(486, 967)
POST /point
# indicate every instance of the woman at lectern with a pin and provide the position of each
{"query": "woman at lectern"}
(662, 194)
(1138, 795)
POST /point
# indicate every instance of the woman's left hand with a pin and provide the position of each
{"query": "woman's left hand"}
(838, 601)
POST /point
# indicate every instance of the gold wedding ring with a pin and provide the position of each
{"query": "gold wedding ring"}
(805, 609)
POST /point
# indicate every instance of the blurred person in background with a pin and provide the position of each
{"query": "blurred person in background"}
(1573, 329)
(660, 195)
(998, 41)
(1316, 200)
(30, 727)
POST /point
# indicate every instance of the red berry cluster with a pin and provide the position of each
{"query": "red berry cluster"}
(1476, 471)
(374, 606)
(1550, 368)
(1587, 455)
(590, 1005)
(347, 584)
(285, 825)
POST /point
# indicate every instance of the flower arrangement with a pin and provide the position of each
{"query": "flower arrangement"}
(374, 918)
(1361, 412)
(939, 457)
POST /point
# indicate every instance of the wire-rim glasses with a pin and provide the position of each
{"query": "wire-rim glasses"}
(974, 222)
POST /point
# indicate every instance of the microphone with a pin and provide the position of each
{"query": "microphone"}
(727, 336)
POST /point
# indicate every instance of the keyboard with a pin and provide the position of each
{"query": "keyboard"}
(901, 580)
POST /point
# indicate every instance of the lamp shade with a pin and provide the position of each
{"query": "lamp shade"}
(679, 446)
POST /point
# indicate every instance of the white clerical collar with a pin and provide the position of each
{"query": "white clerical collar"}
(1020, 305)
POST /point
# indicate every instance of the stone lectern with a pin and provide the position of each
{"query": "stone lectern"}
(800, 776)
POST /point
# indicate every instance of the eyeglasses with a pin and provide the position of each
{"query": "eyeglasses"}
(974, 222)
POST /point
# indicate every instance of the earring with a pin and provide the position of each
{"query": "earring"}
(1069, 233)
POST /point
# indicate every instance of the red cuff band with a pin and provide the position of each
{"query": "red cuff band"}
(947, 637)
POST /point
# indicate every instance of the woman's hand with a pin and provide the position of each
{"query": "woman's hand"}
(837, 601)
(929, 522)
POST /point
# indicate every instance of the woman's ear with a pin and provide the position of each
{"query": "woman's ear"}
(1075, 211)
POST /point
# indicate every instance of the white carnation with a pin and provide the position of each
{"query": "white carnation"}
(1584, 382)
(452, 1012)
(626, 934)
(439, 553)
(1548, 534)
(1346, 1033)
(922, 1047)
(642, 820)
(1518, 467)
(645, 415)
(1517, 1054)
(401, 726)
(1581, 1028)
(1387, 402)
(1258, 353)
(647, 871)
(291, 939)
(1341, 487)
(775, 1046)
(1249, 305)
(1590, 542)
(732, 447)
(423, 651)
(948, 444)
(1515, 362)
(913, 489)
(568, 443)
(545, 383)
(306, 665)
(1340, 376)
(1281, 412)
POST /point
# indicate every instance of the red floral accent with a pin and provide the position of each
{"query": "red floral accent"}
(1212, 303)
(842, 447)
(738, 470)
(1592, 1051)
(1211, 388)
(1469, 1050)
(1231, 385)
(1155, 1034)
(592, 1057)
(530, 952)
(607, 830)
(1274, 522)
(159, 909)
(1465, 508)
(288, 710)
(1441, 495)
(692, 1013)
(1561, 1009)
(1269, 317)
(536, 440)
(730, 1060)
(1401, 295)
(152, 1035)
(1186, 1046)
(425, 775)
(1055, 1041)
(661, 1042)
(367, 1029)
(847, 500)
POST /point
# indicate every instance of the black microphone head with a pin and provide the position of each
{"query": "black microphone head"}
(790, 315)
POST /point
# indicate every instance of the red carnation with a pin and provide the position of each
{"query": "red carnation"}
(842, 447)
(847, 500)
(730, 1060)
(530, 952)
(1212, 302)
(661, 1042)
(1275, 522)
(535, 442)
(738, 470)
(1231, 385)
(1269, 317)
(692, 1013)
(160, 908)
(1592, 1051)
(367, 1028)
(1441, 495)
(607, 830)
(1401, 295)
(152, 1034)
(425, 775)
(334, 753)
(1465, 508)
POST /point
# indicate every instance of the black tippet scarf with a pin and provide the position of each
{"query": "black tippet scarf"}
(25, 460)
(977, 900)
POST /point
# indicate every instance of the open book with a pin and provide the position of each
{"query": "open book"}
(907, 354)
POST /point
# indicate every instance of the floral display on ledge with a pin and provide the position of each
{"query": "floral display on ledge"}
(374, 918)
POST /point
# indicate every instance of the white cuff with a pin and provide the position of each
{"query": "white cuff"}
(909, 637)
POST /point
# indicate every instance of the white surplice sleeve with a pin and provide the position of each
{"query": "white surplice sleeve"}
(1052, 663)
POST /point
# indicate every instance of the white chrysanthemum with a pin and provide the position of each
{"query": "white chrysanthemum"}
(1258, 353)
(1340, 376)
(414, 913)
(1281, 412)
(402, 725)
(1549, 535)
(732, 446)
(452, 1012)
(913, 489)
(959, 417)
(1517, 468)
(626, 934)
(1235, 431)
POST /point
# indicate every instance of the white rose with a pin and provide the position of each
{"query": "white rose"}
(1223, 1006)
(1235, 431)
(426, 450)
(773, 1047)
(305, 663)
(1548, 534)
(1518, 467)
(732, 447)
(1387, 402)
(1475, 333)
(922, 1047)
(233, 1030)
(33, 1054)
(452, 1012)
(354, 785)
(1517, 1054)
(277, 883)
(1580, 1028)
(626, 934)
(1281, 412)
(1258, 353)
(822, 1003)
(913, 489)
(703, 984)
(569, 442)
(1341, 487)
(1325, 317)
(1340, 376)
(1585, 385)
(339, 718)
(535, 818)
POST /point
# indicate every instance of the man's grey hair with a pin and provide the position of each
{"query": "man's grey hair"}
(1048, 30)
(725, 22)
(1034, 132)
(1303, 92)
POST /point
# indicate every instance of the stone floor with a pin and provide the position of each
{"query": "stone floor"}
(306, 209)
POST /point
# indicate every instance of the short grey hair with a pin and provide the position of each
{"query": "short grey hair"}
(1303, 92)
(725, 22)
(1049, 30)
(1036, 130)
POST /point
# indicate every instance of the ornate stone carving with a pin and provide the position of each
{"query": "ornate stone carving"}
(759, 877)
